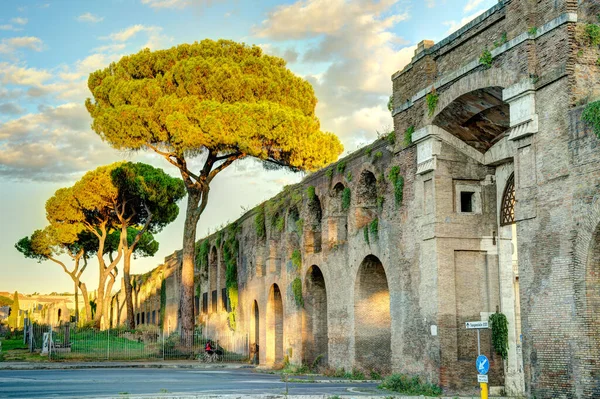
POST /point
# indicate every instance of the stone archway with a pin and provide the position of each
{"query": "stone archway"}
(315, 340)
(255, 331)
(213, 264)
(274, 348)
(372, 318)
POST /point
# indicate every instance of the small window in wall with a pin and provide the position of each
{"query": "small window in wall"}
(467, 197)
(466, 201)
(205, 303)
(196, 305)
(137, 319)
(143, 317)
(154, 317)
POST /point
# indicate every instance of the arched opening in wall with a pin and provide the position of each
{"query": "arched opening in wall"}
(592, 312)
(212, 278)
(59, 313)
(274, 349)
(292, 220)
(222, 292)
(336, 204)
(337, 228)
(315, 340)
(314, 216)
(366, 190)
(479, 118)
(255, 333)
(507, 221)
(372, 318)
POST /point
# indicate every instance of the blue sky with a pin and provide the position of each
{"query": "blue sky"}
(347, 49)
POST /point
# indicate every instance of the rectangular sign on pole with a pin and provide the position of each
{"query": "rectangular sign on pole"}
(482, 378)
(477, 324)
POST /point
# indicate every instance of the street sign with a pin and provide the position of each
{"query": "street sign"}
(482, 378)
(482, 364)
(477, 324)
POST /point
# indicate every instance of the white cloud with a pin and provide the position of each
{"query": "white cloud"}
(11, 109)
(454, 25)
(357, 43)
(22, 76)
(472, 4)
(109, 48)
(26, 42)
(89, 17)
(19, 21)
(9, 27)
(167, 3)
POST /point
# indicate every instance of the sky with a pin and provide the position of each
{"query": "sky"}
(347, 49)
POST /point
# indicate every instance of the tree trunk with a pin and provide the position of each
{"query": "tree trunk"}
(187, 270)
(86, 302)
(127, 279)
(100, 298)
(76, 303)
(108, 299)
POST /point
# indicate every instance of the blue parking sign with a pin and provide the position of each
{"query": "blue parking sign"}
(482, 364)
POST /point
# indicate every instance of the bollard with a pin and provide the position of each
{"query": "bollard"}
(484, 390)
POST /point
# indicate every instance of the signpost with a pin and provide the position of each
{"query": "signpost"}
(482, 363)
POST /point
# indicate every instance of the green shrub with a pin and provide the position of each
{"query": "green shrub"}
(532, 31)
(377, 156)
(366, 235)
(591, 115)
(346, 198)
(391, 137)
(380, 200)
(390, 104)
(202, 251)
(341, 167)
(408, 135)
(297, 290)
(368, 151)
(592, 31)
(279, 224)
(432, 101)
(486, 59)
(374, 228)
(310, 193)
(329, 173)
(299, 226)
(297, 259)
(349, 176)
(410, 385)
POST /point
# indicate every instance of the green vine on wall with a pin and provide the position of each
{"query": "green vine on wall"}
(341, 167)
(432, 101)
(592, 31)
(230, 255)
(259, 222)
(297, 259)
(408, 136)
(398, 182)
(346, 197)
(500, 334)
(374, 228)
(591, 115)
(310, 193)
(202, 251)
(366, 234)
(391, 137)
(297, 290)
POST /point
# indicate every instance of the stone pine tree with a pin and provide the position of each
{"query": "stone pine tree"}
(13, 319)
(99, 205)
(219, 99)
(50, 244)
(150, 197)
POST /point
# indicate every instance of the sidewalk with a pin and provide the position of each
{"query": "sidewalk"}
(165, 364)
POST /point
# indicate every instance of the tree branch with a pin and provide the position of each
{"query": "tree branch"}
(228, 161)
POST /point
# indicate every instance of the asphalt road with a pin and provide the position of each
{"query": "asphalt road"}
(94, 383)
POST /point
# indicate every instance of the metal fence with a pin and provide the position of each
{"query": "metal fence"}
(67, 342)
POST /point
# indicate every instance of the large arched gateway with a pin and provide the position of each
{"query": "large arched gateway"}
(315, 339)
(372, 319)
(275, 326)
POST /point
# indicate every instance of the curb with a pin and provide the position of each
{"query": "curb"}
(72, 366)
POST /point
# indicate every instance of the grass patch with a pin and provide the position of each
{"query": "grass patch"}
(410, 385)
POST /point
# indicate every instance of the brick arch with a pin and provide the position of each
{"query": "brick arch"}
(480, 79)
(274, 325)
(255, 331)
(366, 188)
(587, 287)
(372, 316)
(315, 341)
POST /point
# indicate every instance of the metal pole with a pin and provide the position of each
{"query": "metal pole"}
(478, 344)
(163, 339)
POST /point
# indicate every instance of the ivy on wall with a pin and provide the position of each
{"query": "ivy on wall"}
(591, 115)
(259, 222)
(398, 183)
(202, 252)
(297, 290)
(500, 334)
(408, 135)
(297, 259)
(346, 197)
(230, 255)
(432, 101)
(163, 301)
